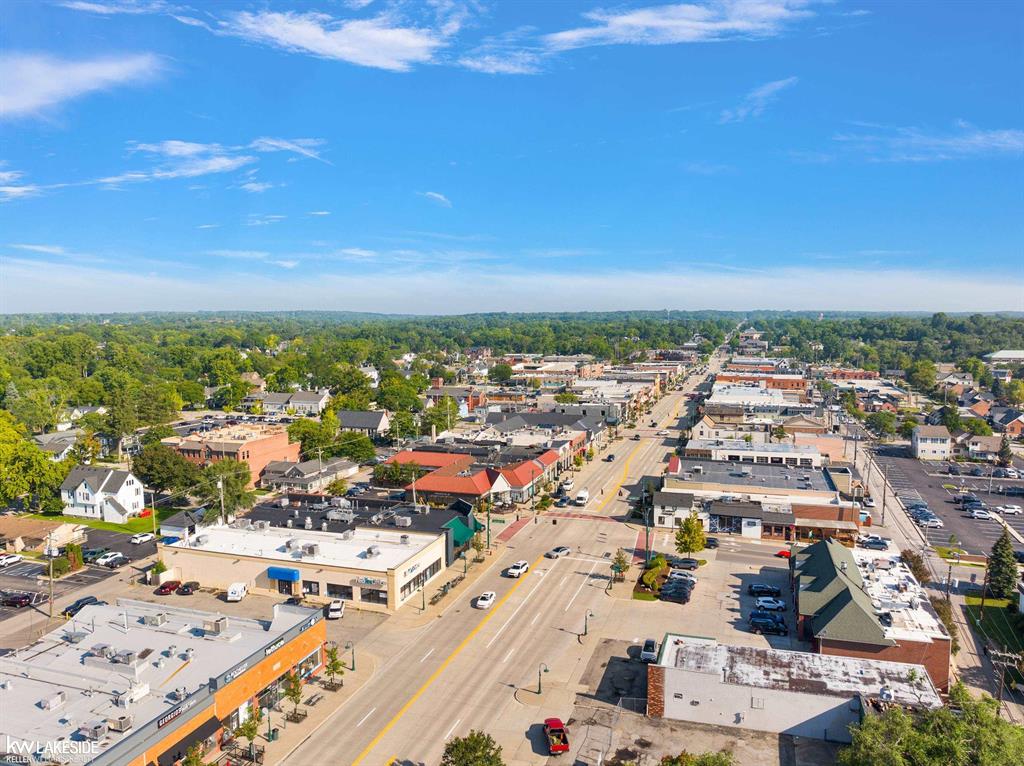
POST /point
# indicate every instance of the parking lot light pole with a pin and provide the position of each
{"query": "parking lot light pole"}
(541, 669)
(266, 713)
(586, 620)
(350, 645)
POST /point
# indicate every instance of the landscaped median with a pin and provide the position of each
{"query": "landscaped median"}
(654, 576)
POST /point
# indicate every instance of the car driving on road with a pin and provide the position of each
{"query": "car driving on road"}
(485, 600)
(558, 552)
(518, 569)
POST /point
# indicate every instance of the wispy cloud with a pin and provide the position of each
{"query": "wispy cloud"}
(262, 219)
(682, 23)
(757, 100)
(118, 6)
(319, 212)
(208, 226)
(911, 144)
(380, 42)
(32, 84)
(248, 255)
(285, 264)
(257, 187)
(305, 147)
(46, 249)
(358, 253)
(437, 197)
(509, 53)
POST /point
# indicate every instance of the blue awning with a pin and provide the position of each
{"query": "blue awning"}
(283, 573)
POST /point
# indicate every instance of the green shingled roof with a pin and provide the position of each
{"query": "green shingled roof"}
(463, 530)
(831, 594)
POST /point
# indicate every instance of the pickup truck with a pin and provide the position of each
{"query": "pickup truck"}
(557, 736)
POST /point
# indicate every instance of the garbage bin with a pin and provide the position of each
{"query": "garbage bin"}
(274, 734)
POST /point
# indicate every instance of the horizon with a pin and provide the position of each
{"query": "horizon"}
(453, 157)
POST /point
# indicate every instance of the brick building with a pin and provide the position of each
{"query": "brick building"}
(256, 444)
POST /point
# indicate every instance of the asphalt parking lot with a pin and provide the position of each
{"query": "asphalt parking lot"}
(119, 541)
(913, 480)
(30, 577)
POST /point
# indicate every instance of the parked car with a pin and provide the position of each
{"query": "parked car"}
(953, 469)
(762, 589)
(1019, 555)
(610, 458)
(17, 600)
(1012, 473)
(931, 524)
(89, 555)
(761, 625)
(558, 552)
(875, 545)
(769, 604)
(869, 502)
(663, 432)
(110, 559)
(785, 553)
(976, 471)
(649, 651)
(636, 437)
(674, 596)
(562, 501)
(685, 563)
(1010, 510)
(518, 569)
(682, 574)
(335, 609)
(556, 735)
(711, 542)
(168, 587)
(762, 614)
(6, 559)
(74, 608)
(188, 588)
(979, 513)
(966, 497)
(142, 537)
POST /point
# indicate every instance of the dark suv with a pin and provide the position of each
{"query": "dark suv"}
(761, 625)
(72, 609)
(763, 589)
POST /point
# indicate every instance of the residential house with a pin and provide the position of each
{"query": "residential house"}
(20, 533)
(255, 444)
(372, 374)
(255, 380)
(306, 403)
(855, 603)
(57, 445)
(307, 476)
(182, 524)
(72, 415)
(372, 423)
(931, 442)
(468, 398)
(984, 448)
(101, 493)
(1007, 420)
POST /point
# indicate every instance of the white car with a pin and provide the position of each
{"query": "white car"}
(336, 609)
(932, 524)
(1012, 473)
(1010, 510)
(518, 569)
(558, 552)
(485, 600)
(6, 559)
(663, 432)
(980, 513)
(869, 502)
(107, 558)
(681, 574)
(142, 537)
(567, 484)
(769, 604)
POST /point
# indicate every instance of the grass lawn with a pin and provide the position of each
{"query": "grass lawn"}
(997, 623)
(133, 526)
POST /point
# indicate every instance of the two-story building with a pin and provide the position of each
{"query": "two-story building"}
(102, 493)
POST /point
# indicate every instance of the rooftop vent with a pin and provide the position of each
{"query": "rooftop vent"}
(155, 620)
(202, 540)
(122, 723)
(404, 539)
(293, 544)
(103, 650)
(309, 522)
(310, 549)
(403, 521)
(94, 730)
(216, 626)
(53, 701)
(291, 523)
(348, 534)
(261, 524)
(372, 551)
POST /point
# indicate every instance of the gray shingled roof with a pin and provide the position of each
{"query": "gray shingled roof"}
(360, 419)
(105, 479)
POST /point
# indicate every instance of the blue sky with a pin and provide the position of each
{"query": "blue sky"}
(454, 156)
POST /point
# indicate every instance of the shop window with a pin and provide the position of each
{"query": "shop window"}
(308, 664)
(310, 588)
(373, 596)
(339, 591)
(420, 579)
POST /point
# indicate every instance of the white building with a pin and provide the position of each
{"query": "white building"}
(797, 693)
(931, 443)
(742, 451)
(102, 493)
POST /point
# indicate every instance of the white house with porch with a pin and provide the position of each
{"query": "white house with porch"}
(100, 493)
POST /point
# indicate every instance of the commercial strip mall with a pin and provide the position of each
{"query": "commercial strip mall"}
(137, 684)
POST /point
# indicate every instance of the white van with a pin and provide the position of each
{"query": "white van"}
(237, 591)
(582, 497)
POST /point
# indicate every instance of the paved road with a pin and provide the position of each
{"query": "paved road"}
(472, 669)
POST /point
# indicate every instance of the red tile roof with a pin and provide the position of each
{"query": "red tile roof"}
(454, 480)
(522, 474)
(426, 459)
(548, 458)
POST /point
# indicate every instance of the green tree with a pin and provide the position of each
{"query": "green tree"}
(500, 374)
(577, 461)
(975, 735)
(690, 536)
(250, 728)
(1005, 451)
(337, 487)
(357, 447)
(883, 423)
(293, 690)
(402, 426)
(778, 433)
(475, 749)
(921, 375)
(907, 427)
(234, 476)
(915, 563)
(25, 470)
(442, 416)
(620, 564)
(162, 469)
(194, 755)
(154, 434)
(1015, 392)
(334, 667)
(721, 758)
(977, 426)
(478, 544)
(1002, 568)
(86, 449)
(73, 553)
(566, 397)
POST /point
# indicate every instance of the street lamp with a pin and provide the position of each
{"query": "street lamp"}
(949, 574)
(586, 619)
(423, 598)
(350, 645)
(542, 668)
(266, 714)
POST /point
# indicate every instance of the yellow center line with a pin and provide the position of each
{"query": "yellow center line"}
(441, 668)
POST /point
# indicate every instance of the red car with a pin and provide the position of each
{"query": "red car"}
(557, 736)
(784, 554)
(168, 587)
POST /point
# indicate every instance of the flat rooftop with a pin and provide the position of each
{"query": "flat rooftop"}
(349, 549)
(742, 445)
(896, 594)
(239, 433)
(751, 475)
(818, 674)
(170, 652)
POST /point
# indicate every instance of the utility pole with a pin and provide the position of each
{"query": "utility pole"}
(1001, 661)
(220, 490)
(885, 489)
(49, 555)
(984, 592)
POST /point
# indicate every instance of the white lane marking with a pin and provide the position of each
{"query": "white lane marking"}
(535, 618)
(363, 719)
(585, 579)
(516, 611)
(562, 582)
(509, 654)
(457, 722)
(427, 655)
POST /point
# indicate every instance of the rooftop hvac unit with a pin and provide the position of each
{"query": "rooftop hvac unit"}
(293, 544)
(323, 526)
(178, 694)
(291, 523)
(261, 524)
(216, 626)
(126, 657)
(377, 518)
(53, 701)
(348, 534)
(202, 539)
(372, 551)
(121, 723)
(310, 549)
(404, 539)
(345, 516)
(240, 523)
(94, 730)
(155, 620)
(76, 636)
(403, 521)
(309, 522)
(132, 694)
(103, 650)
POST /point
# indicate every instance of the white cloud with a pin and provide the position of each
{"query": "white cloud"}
(285, 264)
(8, 192)
(34, 286)
(903, 144)
(249, 255)
(305, 147)
(682, 23)
(175, 148)
(208, 226)
(257, 187)
(10, 176)
(45, 249)
(319, 212)
(437, 197)
(358, 253)
(757, 100)
(378, 42)
(260, 219)
(497, 61)
(33, 83)
(191, 167)
(117, 6)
